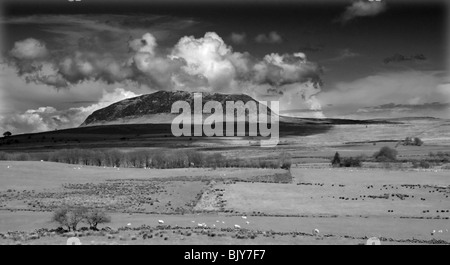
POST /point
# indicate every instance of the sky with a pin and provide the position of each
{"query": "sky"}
(62, 60)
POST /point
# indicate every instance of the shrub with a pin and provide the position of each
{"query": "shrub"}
(421, 164)
(7, 134)
(351, 162)
(95, 217)
(386, 154)
(418, 141)
(336, 160)
(412, 141)
(69, 217)
(285, 161)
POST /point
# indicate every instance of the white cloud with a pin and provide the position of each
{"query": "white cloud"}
(193, 64)
(362, 9)
(49, 118)
(29, 49)
(207, 56)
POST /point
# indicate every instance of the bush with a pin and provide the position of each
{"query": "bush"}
(418, 141)
(285, 161)
(412, 141)
(336, 160)
(421, 164)
(95, 217)
(386, 154)
(351, 162)
(69, 217)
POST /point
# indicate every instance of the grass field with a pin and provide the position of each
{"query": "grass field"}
(393, 201)
(335, 201)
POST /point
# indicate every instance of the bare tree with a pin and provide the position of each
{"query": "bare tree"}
(69, 217)
(95, 217)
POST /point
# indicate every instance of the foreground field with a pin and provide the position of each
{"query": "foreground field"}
(346, 205)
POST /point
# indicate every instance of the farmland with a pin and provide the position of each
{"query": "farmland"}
(396, 201)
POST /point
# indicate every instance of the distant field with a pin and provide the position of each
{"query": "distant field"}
(38, 175)
(219, 198)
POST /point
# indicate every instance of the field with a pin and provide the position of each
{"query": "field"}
(396, 202)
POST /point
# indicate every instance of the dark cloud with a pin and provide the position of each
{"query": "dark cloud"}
(397, 58)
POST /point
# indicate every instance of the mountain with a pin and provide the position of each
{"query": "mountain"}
(155, 107)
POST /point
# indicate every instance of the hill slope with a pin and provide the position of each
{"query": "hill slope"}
(154, 108)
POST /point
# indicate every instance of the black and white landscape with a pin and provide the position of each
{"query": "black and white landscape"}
(87, 90)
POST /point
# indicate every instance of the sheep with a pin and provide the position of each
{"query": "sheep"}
(316, 232)
(160, 222)
(244, 217)
(237, 226)
(247, 222)
(129, 224)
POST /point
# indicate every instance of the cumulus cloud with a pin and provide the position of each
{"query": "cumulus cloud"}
(362, 9)
(209, 57)
(278, 70)
(192, 64)
(29, 49)
(49, 118)
(238, 38)
(272, 37)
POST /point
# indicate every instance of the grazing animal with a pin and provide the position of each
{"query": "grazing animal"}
(237, 226)
(160, 222)
(316, 231)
